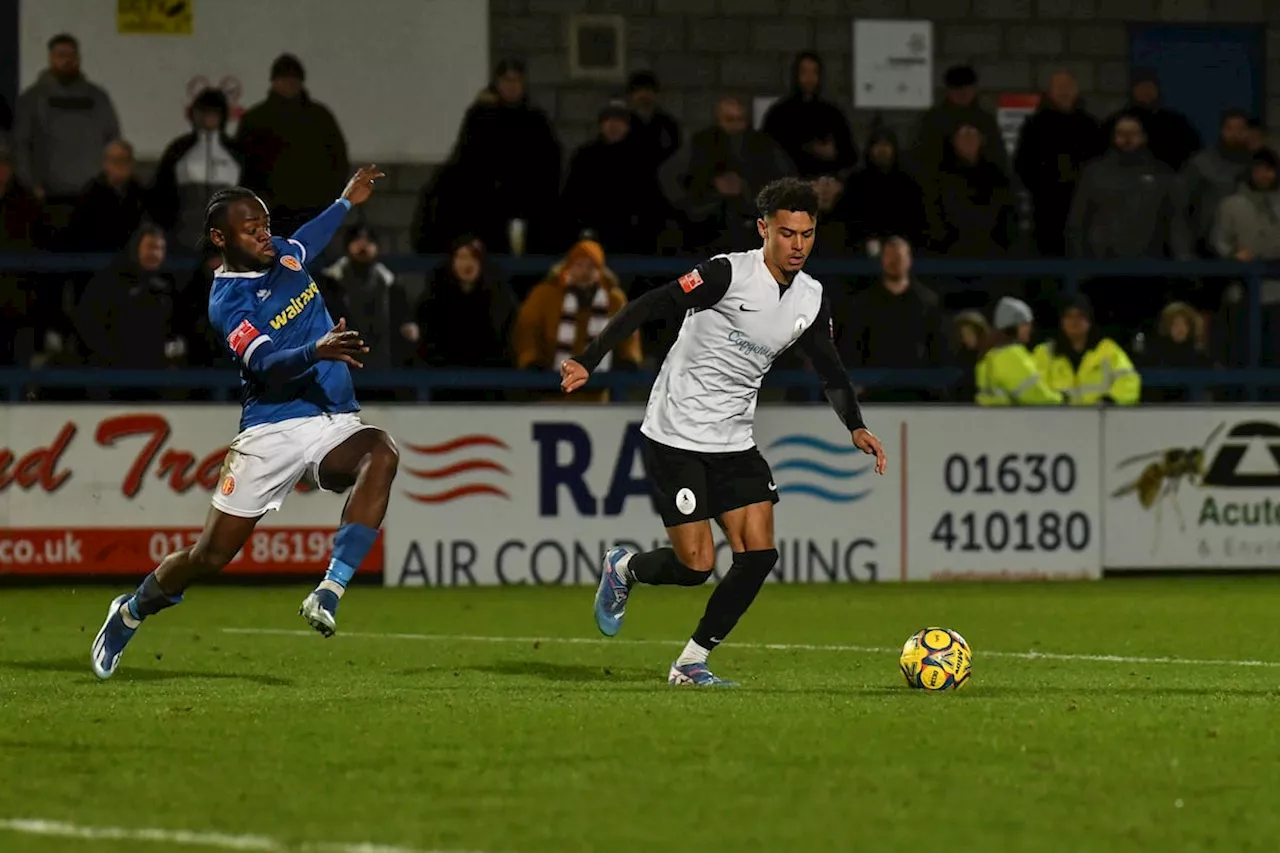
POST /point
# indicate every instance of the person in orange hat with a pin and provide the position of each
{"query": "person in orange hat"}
(568, 309)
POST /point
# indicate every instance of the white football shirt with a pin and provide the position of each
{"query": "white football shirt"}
(738, 320)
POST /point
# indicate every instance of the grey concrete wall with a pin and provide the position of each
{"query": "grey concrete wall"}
(696, 46)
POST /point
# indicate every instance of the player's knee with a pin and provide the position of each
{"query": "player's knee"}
(210, 558)
(687, 576)
(700, 560)
(384, 458)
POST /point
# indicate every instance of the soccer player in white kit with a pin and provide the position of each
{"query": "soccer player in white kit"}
(743, 310)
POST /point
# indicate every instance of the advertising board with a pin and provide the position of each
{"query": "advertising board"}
(102, 490)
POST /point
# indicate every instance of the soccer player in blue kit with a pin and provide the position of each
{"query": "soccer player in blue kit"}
(299, 419)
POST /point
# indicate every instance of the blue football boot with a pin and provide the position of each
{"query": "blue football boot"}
(612, 594)
(114, 635)
(695, 675)
(320, 609)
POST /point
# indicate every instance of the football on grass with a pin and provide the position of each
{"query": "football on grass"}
(936, 659)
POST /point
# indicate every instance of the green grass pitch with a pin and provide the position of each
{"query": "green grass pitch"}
(230, 721)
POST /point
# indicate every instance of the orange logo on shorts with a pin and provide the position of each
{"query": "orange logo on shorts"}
(228, 485)
(291, 262)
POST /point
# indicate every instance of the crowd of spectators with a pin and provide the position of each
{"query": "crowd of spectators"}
(1137, 184)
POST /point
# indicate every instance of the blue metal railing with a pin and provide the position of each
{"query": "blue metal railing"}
(422, 384)
(14, 383)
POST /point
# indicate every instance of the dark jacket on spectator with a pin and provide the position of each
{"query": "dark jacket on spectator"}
(125, 316)
(192, 168)
(106, 219)
(1053, 148)
(939, 124)
(19, 232)
(888, 330)
(1128, 206)
(688, 181)
(294, 153)
(373, 302)
(658, 138)
(1163, 352)
(60, 130)
(1171, 136)
(1210, 177)
(507, 166)
(880, 203)
(798, 120)
(466, 329)
(971, 212)
(608, 193)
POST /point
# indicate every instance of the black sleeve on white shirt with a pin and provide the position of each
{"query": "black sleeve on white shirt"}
(700, 288)
(816, 343)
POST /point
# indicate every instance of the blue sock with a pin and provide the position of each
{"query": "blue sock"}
(149, 599)
(351, 545)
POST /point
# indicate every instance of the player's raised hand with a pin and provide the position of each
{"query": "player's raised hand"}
(869, 444)
(572, 376)
(360, 187)
(341, 344)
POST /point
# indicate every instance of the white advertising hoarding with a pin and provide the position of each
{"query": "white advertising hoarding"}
(534, 495)
(1002, 494)
(1192, 487)
(397, 74)
(110, 490)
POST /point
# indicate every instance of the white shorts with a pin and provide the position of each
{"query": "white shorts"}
(265, 462)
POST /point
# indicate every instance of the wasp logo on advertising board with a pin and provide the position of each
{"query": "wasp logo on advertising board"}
(1231, 471)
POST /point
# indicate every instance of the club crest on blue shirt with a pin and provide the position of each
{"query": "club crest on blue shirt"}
(290, 262)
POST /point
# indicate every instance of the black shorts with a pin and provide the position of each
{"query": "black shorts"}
(689, 485)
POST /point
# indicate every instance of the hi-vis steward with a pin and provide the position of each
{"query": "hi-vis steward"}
(532, 495)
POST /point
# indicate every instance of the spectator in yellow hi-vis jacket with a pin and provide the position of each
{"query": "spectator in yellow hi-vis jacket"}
(1006, 374)
(1086, 367)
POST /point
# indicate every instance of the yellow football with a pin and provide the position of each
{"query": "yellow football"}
(936, 659)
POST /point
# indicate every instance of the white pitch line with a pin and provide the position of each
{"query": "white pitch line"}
(219, 840)
(773, 647)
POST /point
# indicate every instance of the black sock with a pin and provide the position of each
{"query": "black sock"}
(663, 568)
(733, 595)
(149, 599)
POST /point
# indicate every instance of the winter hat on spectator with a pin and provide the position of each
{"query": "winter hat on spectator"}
(1011, 313)
(1143, 75)
(642, 80)
(355, 232)
(614, 109)
(1268, 157)
(288, 65)
(585, 249)
(210, 100)
(960, 76)
(1077, 302)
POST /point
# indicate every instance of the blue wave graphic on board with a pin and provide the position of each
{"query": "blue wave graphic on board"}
(815, 444)
(819, 468)
(829, 475)
(821, 493)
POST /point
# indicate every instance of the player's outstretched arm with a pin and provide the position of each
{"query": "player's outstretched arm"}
(838, 386)
(703, 287)
(314, 236)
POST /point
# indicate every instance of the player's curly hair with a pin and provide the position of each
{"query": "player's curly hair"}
(215, 213)
(787, 194)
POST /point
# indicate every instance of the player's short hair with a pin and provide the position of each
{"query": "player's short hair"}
(787, 194)
(215, 214)
(64, 38)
